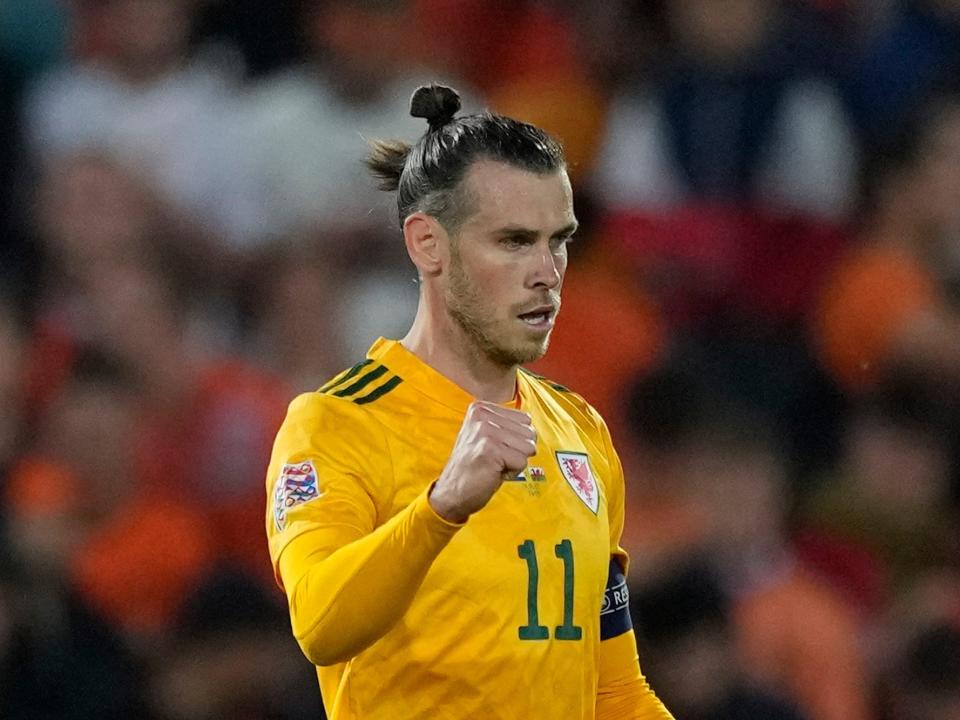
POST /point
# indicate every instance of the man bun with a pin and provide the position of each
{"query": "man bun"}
(427, 175)
(435, 103)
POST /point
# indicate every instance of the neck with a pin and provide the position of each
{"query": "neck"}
(449, 350)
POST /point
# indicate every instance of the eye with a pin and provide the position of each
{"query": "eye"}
(558, 243)
(515, 242)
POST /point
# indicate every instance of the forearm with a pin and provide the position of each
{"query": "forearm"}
(342, 602)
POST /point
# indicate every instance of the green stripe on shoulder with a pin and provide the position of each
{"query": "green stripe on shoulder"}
(379, 392)
(350, 383)
(362, 382)
(344, 376)
(556, 386)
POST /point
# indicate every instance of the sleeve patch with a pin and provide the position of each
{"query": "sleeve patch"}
(297, 484)
(615, 610)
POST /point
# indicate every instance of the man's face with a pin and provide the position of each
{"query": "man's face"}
(508, 259)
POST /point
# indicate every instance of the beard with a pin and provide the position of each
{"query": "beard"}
(478, 322)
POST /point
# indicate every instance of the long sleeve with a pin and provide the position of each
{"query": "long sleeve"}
(341, 602)
(349, 563)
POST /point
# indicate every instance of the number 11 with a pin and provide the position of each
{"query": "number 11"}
(533, 630)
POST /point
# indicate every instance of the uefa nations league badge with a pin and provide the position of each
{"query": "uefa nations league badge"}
(297, 484)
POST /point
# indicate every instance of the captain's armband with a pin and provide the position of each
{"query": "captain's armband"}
(615, 609)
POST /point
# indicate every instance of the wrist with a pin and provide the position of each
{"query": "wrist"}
(441, 505)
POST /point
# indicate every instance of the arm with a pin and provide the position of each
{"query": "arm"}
(338, 560)
(333, 554)
(343, 601)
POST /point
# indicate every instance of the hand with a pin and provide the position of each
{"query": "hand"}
(494, 444)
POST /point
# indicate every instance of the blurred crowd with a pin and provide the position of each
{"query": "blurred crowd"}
(764, 301)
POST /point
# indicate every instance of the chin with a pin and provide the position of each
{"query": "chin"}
(523, 352)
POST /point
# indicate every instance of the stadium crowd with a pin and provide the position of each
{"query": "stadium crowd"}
(763, 301)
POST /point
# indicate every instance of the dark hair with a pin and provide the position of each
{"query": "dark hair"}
(427, 175)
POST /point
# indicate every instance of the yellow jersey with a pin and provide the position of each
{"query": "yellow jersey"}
(520, 612)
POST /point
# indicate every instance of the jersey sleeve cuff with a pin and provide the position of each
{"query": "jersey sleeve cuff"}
(424, 510)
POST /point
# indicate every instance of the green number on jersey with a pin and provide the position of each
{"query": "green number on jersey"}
(567, 631)
(533, 630)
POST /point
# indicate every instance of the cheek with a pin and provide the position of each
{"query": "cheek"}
(562, 260)
(495, 283)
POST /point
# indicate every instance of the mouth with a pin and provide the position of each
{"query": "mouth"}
(540, 318)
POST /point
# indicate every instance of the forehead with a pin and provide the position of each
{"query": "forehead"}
(502, 195)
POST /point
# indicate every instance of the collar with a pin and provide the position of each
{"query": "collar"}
(428, 381)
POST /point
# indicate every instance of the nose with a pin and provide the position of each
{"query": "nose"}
(547, 270)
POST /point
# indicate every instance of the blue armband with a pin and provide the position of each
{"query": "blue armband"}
(615, 610)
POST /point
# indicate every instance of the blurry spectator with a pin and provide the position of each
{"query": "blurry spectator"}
(730, 120)
(93, 216)
(350, 296)
(668, 412)
(289, 286)
(793, 631)
(207, 420)
(887, 509)
(80, 506)
(665, 517)
(305, 129)
(893, 305)
(58, 659)
(91, 209)
(232, 658)
(683, 619)
(135, 89)
(727, 174)
(528, 58)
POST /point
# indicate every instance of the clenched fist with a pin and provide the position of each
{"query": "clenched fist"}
(494, 444)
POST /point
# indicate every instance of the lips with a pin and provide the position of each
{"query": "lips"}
(539, 310)
(540, 316)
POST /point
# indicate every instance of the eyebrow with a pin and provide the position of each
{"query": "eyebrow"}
(519, 231)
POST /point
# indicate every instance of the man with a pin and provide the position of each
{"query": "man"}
(445, 524)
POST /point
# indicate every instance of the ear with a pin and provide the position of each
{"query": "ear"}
(426, 241)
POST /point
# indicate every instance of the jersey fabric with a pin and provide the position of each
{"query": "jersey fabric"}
(407, 615)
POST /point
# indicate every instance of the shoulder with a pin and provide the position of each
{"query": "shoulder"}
(338, 414)
(563, 398)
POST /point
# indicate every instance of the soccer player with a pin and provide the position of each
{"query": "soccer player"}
(445, 524)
